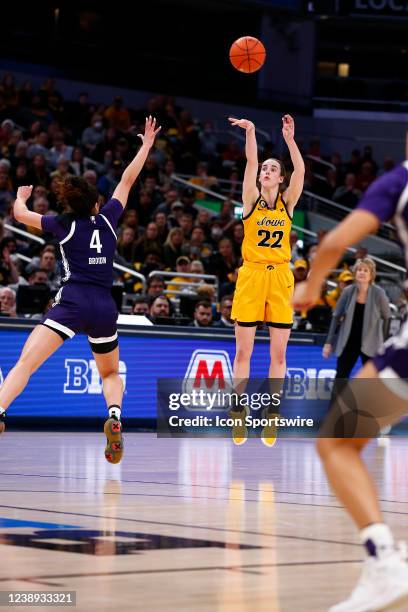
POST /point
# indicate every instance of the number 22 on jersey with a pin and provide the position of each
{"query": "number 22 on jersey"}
(96, 242)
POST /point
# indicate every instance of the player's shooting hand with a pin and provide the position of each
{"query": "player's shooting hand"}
(23, 193)
(150, 132)
(288, 127)
(304, 297)
(245, 124)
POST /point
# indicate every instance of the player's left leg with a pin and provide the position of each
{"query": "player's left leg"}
(108, 368)
(39, 346)
(277, 370)
(385, 574)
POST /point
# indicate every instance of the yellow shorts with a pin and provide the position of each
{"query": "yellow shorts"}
(264, 293)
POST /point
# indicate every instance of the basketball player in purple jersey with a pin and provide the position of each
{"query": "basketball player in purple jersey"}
(384, 398)
(87, 239)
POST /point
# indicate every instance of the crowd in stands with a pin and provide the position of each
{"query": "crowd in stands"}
(168, 226)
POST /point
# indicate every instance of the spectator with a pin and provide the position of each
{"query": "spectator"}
(170, 197)
(160, 219)
(160, 307)
(224, 262)
(202, 179)
(117, 116)
(300, 270)
(126, 246)
(188, 201)
(8, 270)
(91, 177)
(59, 150)
(197, 248)
(225, 310)
(149, 242)
(366, 176)
(7, 302)
(347, 194)
(144, 206)
(226, 217)
(38, 171)
(6, 194)
(237, 237)
(183, 267)
(141, 306)
(202, 315)
(155, 286)
(172, 247)
(186, 224)
(344, 279)
(93, 135)
(109, 181)
(63, 170)
(130, 219)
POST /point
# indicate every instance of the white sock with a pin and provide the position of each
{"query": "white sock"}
(378, 540)
(2, 410)
(114, 411)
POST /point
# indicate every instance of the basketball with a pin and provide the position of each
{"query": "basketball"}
(247, 54)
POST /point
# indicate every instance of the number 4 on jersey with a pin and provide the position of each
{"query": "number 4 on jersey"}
(96, 242)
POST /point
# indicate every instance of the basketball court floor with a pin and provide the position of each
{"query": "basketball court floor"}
(183, 524)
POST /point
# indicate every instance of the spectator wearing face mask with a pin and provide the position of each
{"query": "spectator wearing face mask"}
(93, 135)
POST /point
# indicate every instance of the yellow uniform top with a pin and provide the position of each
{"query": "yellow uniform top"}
(266, 233)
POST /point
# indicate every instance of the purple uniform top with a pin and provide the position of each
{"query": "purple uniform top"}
(87, 244)
(387, 198)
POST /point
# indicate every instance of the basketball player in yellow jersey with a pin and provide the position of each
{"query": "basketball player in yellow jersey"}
(265, 281)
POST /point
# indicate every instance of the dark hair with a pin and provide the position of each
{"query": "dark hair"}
(154, 278)
(76, 195)
(204, 303)
(141, 299)
(225, 298)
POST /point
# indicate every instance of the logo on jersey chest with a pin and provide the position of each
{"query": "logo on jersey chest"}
(271, 222)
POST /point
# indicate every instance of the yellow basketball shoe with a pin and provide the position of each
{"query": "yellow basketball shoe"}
(114, 440)
(239, 429)
(269, 433)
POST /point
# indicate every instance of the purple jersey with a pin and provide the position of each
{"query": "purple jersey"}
(387, 198)
(87, 244)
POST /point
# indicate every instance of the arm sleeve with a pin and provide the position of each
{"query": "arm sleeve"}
(51, 225)
(385, 305)
(338, 312)
(113, 210)
(381, 198)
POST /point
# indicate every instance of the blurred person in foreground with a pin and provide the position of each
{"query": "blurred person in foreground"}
(359, 412)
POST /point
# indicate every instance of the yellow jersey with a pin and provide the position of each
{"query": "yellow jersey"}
(267, 232)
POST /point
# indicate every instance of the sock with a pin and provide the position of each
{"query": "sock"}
(378, 540)
(114, 411)
(2, 413)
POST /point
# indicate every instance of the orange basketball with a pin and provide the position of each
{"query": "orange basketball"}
(247, 54)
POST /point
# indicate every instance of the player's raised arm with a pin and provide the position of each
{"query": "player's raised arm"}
(293, 192)
(351, 230)
(20, 210)
(249, 189)
(133, 170)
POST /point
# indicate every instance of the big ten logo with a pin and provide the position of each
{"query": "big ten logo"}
(309, 383)
(83, 376)
(211, 373)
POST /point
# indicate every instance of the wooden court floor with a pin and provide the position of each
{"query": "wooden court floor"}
(183, 524)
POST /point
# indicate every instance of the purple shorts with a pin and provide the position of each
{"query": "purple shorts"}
(88, 309)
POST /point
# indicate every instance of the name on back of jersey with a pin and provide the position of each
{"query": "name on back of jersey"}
(97, 260)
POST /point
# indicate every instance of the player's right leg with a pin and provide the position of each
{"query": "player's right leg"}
(108, 368)
(245, 337)
(385, 575)
(41, 344)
